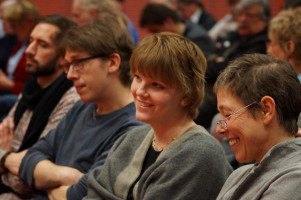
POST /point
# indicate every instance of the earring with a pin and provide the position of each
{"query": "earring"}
(183, 102)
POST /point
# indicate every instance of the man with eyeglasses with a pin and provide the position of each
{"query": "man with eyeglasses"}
(47, 96)
(252, 17)
(97, 61)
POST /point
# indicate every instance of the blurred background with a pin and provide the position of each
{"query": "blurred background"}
(217, 8)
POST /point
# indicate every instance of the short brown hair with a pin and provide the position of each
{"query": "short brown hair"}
(103, 38)
(253, 76)
(176, 61)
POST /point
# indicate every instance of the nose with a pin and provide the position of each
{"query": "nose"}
(31, 49)
(72, 74)
(141, 90)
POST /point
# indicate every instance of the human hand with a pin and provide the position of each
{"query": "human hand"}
(59, 193)
(13, 162)
(5, 82)
(6, 133)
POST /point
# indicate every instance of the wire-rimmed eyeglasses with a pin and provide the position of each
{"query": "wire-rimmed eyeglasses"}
(223, 123)
(78, 63)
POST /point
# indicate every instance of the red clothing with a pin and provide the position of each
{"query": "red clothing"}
(19, 75)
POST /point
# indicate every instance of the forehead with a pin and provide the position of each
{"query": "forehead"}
(253, 9)
(72, 54)
(45, 32)
(225, 99)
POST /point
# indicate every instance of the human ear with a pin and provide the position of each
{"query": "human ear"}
(269, 109)
(115, 61)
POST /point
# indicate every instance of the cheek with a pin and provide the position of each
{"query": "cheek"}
(133, 88)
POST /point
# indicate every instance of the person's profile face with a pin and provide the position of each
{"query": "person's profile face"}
(91, 79)
(155, 101)
(245, 134)
(41, 53)
(275, 49)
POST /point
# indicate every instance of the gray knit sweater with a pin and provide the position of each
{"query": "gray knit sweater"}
(191, 167)
(277, 177)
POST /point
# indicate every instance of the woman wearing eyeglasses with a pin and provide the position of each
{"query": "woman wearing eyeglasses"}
(259, 99)
(172, 157)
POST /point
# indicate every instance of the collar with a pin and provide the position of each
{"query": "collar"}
(196, 16)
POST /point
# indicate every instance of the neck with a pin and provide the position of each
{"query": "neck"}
(276, 134)
(117, 97)
(180, 28)
(166, 132)
(44, 81)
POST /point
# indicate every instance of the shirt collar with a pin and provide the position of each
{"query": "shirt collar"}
(196, 16)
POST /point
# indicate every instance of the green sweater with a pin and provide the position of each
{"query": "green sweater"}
(191, 167)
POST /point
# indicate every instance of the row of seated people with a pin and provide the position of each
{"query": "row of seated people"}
(71, 174)
(18, 19)
(97, 152)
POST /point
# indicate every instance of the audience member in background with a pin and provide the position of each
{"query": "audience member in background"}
(194, 11)
(45, 99)
(97, 56)
(172, 157)
(84, 11)
(252, 18)
(173, 4)
(7, 37)
(131, 27)
(289, 4)
(285, 40)
(158, 18)
(225, 25)
(259, 101)
(21, 16)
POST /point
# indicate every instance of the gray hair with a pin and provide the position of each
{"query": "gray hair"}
(265, 8)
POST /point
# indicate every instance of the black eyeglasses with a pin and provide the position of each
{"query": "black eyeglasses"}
(78, 64)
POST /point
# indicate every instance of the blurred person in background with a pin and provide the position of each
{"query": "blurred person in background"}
(131, 26)
(225, 25)
(194, 11)
(84, 11)
(285, 40)
(7, 37)
(21, 16)
(157, 17)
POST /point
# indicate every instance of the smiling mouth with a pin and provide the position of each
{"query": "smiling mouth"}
(233, 141)
(144, 104)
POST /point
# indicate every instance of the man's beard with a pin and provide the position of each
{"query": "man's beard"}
(37, 70)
